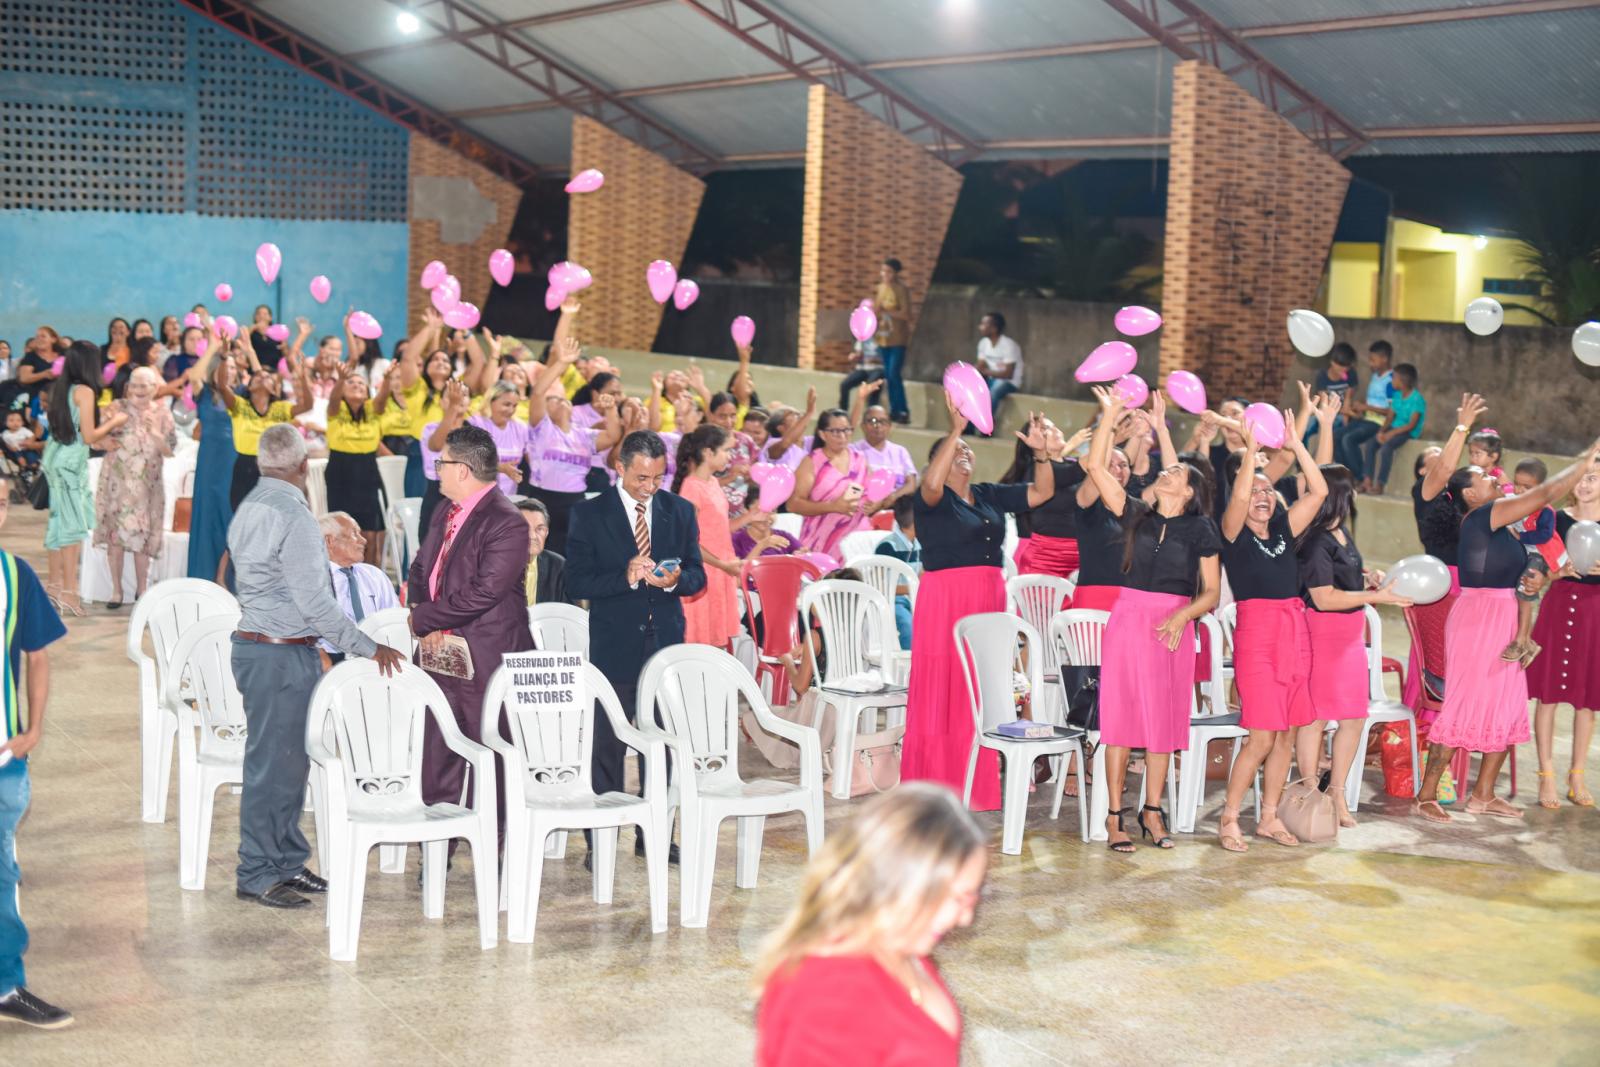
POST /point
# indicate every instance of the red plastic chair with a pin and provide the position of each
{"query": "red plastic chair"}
(777, 581)
(1426, 623)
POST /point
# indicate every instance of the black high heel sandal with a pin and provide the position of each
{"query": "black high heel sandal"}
(1163, 841)
(1121, 846)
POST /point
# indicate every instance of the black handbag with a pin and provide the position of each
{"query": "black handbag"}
(39, 492)
(1081, 689)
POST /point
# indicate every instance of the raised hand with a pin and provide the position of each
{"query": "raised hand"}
(1327, 407)
(657, 381)
(958, 421)
(1306, 402)
(431, 317)
(811, 402)
(1158, 408)
(697, 379)
(1078, 439)
(567, 351)
(1110, 400)
(303, 324)
(1472, 407)
(605, 403)
(1034, 438)
(571, 306)
(871, 388)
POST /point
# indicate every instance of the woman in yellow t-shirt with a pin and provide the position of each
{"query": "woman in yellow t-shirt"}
(253, 413)
(354, 486)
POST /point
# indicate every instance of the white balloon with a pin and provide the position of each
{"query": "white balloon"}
(1420, 579)
(1583, 546)
(1484, 316)
(1586, 344)
(1311, 334)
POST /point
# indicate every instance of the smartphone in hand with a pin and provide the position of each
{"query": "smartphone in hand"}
(668, 566)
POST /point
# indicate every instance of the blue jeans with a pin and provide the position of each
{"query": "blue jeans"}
(902, 620)
(14, 793)
(1358, 449)
(1338, 434)
(1386, 453)
(894, 361)
(999, 389)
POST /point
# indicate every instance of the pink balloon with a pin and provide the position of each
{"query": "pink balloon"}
(1133, 390)
(59, 364)
(1267, 421)
(447, 294)
(463, 316)
(863, 323)
(685, 293)
(188, 395)
(586, 181)
(662, 277)
(227, 327)
(200, 347)
(268, 260)
(880, 483)
(569, 277)
(1137, 321)
(108, 372)
(1187, 391)
(224, 292)
(776, 482)
(283, 367)
(1107, 363)
(502, 265)
(820, 560)
(971, 395)
(278, 332)
(192, 321)
(321, 288)
(743, 330)
(554, 298)
(365, 326)
(433, 274)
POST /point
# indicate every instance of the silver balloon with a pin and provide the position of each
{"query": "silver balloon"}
(1484, 316)
(1586, 344)
(1311, 334)
(1583, 546)
(1420, 579)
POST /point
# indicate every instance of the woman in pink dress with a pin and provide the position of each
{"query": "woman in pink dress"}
(710, 617)
(828, 488)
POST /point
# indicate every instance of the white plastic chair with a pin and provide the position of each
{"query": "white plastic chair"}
(1209, 720)
(1379, 709)
(789, 523)
(697, 689)
(887, 574)
(548, 786)
(373, 792)
(392, 627)
(852, 618)
(405, 519)
(317, 486)
(211, 736)
(852, 546)
(986, 645)
(392, 473)
(559, 628)
(1037, 598)
(166, 610)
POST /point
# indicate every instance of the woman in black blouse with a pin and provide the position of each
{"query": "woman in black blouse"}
(1049, 533)
(1170, 577)
(1486, 697)
(962, 528)
(1271, 643)
(1336, 587)
(1438, 521)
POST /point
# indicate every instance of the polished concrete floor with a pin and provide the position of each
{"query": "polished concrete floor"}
(1473, 943)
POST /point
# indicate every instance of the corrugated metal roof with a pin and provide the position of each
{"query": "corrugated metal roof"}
(450, 78)
(655, 45)
(343, 25)
(1463, 146)
(900, 29)
(1277, 12)
(530, 134)
(754, 118)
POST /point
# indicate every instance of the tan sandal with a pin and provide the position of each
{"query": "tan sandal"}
(1577, 792)
(1512, 652)
(1529, 651)
(1488, 807)
(1550, 805)
(1234, 841)
(1437, 814)
(1281, 835)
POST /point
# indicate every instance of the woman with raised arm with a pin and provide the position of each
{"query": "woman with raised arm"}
(1170, 577)
(1438, 520)
(453, 402)
(561, 453)
(251, 415)
(1271, 643)
(962, 527)
(1486, 702)
(209, 380)
(1099, 531)
(354, 486)
(1049, 533)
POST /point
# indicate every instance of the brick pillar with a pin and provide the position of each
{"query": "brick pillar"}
(459, 212)
(644, 212)
(870, 193)
(1251, 210)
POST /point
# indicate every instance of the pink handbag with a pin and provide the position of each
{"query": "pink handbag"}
(877, 762)
(1308, 813)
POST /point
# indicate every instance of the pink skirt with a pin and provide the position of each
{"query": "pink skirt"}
(939, 725)
(1146, 690)
(1568, 629)
(1485, 697)
(1272, 664)
(1096, 597)
(1043, 554)
(1339, 685)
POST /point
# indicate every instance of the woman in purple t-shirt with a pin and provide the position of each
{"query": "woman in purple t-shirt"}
(559, 452)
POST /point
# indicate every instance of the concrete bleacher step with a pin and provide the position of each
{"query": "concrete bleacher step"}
(1385, 527)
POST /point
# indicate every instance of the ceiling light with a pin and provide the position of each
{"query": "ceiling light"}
(1480, 242)
(407, 22)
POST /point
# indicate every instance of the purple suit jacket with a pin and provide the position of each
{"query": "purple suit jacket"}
(481, 596)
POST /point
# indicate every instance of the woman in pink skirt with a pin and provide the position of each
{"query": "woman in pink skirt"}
(1271, 645)
(1486, 697)
(1170, 577)
(1337, 587)
(1099, 538)
(711, 616)
(962, 528)
(1568, 670)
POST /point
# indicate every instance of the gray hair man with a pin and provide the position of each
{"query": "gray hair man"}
(360, 588)
(286, 606)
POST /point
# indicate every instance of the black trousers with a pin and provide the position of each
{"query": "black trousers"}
(608, 761)
(853, 379)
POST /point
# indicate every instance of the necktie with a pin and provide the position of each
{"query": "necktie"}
(444, 549)
(357, 612)
(641, 531)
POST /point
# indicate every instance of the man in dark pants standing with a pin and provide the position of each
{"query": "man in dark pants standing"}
(613, 544)
(286, 605)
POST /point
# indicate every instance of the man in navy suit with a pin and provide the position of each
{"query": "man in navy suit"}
(613, 543)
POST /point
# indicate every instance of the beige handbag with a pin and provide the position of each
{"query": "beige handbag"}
(1308, 812)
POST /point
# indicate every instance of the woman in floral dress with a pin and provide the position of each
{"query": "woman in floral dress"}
(130, 502)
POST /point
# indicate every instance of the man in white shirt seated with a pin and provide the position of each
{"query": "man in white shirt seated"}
(360, 588)
(999, 360)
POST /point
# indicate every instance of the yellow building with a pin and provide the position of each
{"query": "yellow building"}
(1424, 273)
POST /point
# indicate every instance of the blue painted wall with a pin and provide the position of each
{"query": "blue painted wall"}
(142, 164)
(74, 270)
